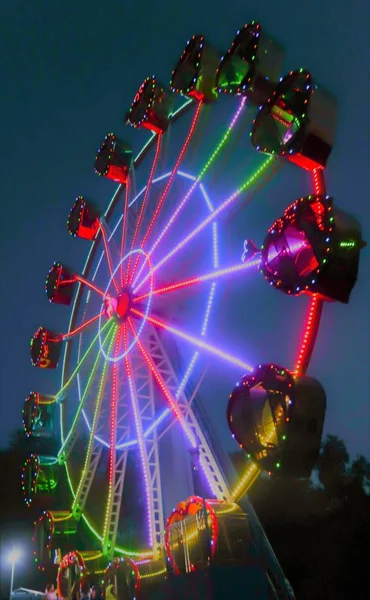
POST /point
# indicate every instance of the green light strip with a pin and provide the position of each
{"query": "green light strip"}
(172, 115)
(95, 419)
(225, 204)
(81, 361)
(347, 244)
(81, 404)
(222, 142)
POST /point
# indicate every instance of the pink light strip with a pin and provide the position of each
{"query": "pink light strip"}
(195, 341)
(172, 402)
(196, 182)
(201, 278)
(124, 226)
(112, 439)
(140, 438)
(171, 178)
(143, 206)
(209, 218)
(89, 284)
(107, 253)
(65, 336)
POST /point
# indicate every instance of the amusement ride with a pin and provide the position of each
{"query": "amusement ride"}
(153, 502)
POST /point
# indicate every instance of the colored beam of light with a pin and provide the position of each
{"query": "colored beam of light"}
(80, 363)
(107, 254)
(228, 202)
(195, 341)
(207, 165)
(143, 206)
(172, 402)
(171, 178)
(80, 327)
(124, 227)
(201, 278)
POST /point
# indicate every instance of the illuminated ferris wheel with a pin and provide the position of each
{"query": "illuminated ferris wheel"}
(151, 324)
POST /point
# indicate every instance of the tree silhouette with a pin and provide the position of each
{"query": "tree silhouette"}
(332, 465)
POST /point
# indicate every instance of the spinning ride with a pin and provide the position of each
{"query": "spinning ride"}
(150, 327)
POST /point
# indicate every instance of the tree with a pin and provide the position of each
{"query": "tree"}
(332, 465)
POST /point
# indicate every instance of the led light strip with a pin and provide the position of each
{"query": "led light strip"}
(94, 424)
(112, 448)
(197, 181)
(209, 219)
(196, 342)
(82, 400)
(173, 174)
(140, 437)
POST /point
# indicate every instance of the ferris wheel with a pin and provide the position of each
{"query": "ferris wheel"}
(152, 332)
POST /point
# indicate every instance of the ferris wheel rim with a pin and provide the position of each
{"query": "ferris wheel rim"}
(114, 199)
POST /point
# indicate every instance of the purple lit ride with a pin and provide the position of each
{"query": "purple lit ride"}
(147, 341)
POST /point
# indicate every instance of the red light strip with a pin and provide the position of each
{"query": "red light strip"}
(143, 205)
(316, 303)
(78, 329)
(169, 182)
(107, 253)
(141, 440)
(124, 225)
(309, 337)
(89, 284)
(172, 402)
(65, 281)
(201, 344)
(206, 277)
(113, 423)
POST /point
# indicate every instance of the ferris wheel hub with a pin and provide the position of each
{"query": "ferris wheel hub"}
(118, 307)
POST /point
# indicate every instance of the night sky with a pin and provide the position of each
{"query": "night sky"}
(69, 72)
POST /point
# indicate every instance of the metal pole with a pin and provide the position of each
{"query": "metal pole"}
(12, 578)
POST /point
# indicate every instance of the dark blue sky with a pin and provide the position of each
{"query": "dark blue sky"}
(69, 71)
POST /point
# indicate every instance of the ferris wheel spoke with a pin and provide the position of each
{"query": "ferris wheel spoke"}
(81, 362)
(66, 336)
(199, 178)
(87, 388)
(210, 218)
(168, 381)
(112, 447)
(143, 206)
(198, 343)
(240, 267)
(172, 402)
(190, 401)
(171, 178)
(108, 256)
(89, 284)
(124, 229)
(133, 383)
(87, 471)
